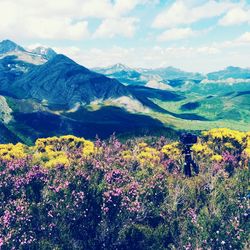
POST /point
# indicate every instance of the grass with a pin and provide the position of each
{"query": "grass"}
(182, 124)
(221, 111)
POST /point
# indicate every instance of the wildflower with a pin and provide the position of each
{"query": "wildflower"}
(202, 149)
(1, 242)
(171, 150)
(217, 158)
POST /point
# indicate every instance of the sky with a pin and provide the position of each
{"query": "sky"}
(193, 35)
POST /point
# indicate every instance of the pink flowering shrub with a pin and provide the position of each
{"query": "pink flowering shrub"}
(130, 195)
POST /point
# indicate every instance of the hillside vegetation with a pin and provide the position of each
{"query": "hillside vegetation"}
(70, 193)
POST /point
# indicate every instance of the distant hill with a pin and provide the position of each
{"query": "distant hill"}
(170, 76)
(161, 78)
(230, 72)
(171, 73)
(123, 73)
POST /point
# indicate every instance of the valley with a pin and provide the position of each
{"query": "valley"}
(46, 94)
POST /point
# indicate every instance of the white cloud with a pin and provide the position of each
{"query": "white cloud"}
(209, 50)
(244, 38)
(242, 42)
(201, 58)
(64, 19)
(183, 13)
(57, 28)
(235, 16)
(73, 52)
(122, 7)
(26, 19)
(140, 57)
(108, 8)
(112, 27)
(116, 24)
(71, 20)
(176, 34)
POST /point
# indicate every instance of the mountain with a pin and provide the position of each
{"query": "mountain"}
(11, 69)
(16, 61)
(37, 56)
(113, 69)
(62, 97)
(64, 83)
(230, 72)
(159, 78)
(9, 46)
(171, 73)
(45, 52)
(122, 73)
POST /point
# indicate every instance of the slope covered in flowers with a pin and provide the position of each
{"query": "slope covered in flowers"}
(70, 193)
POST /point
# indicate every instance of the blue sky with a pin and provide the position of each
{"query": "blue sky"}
(193, 35)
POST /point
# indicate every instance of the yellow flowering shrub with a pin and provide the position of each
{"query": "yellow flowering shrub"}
(225, 135)
(66, 142)
(52, 151)
(60, 159)
(216, 158)
(148, 156)
(11, 151)
(88, 148)
(203, 149)
(142, 145)
(246, 151)
(50, 158)
(223, 139)
(66, 150)
(127, 155)
(171, 150)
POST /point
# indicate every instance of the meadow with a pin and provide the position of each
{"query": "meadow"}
(230, 110)
(70, 193)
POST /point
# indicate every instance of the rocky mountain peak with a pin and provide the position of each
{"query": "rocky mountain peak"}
(8, 46)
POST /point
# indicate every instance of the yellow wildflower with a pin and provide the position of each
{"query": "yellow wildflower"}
(11, 151)
(171, 150)
(148, 155)
(216, 158)
(61, 160)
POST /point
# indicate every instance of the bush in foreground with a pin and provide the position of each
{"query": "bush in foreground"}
(70, 193)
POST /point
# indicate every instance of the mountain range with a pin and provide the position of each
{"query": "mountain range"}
(44, 94)
(166, 78)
